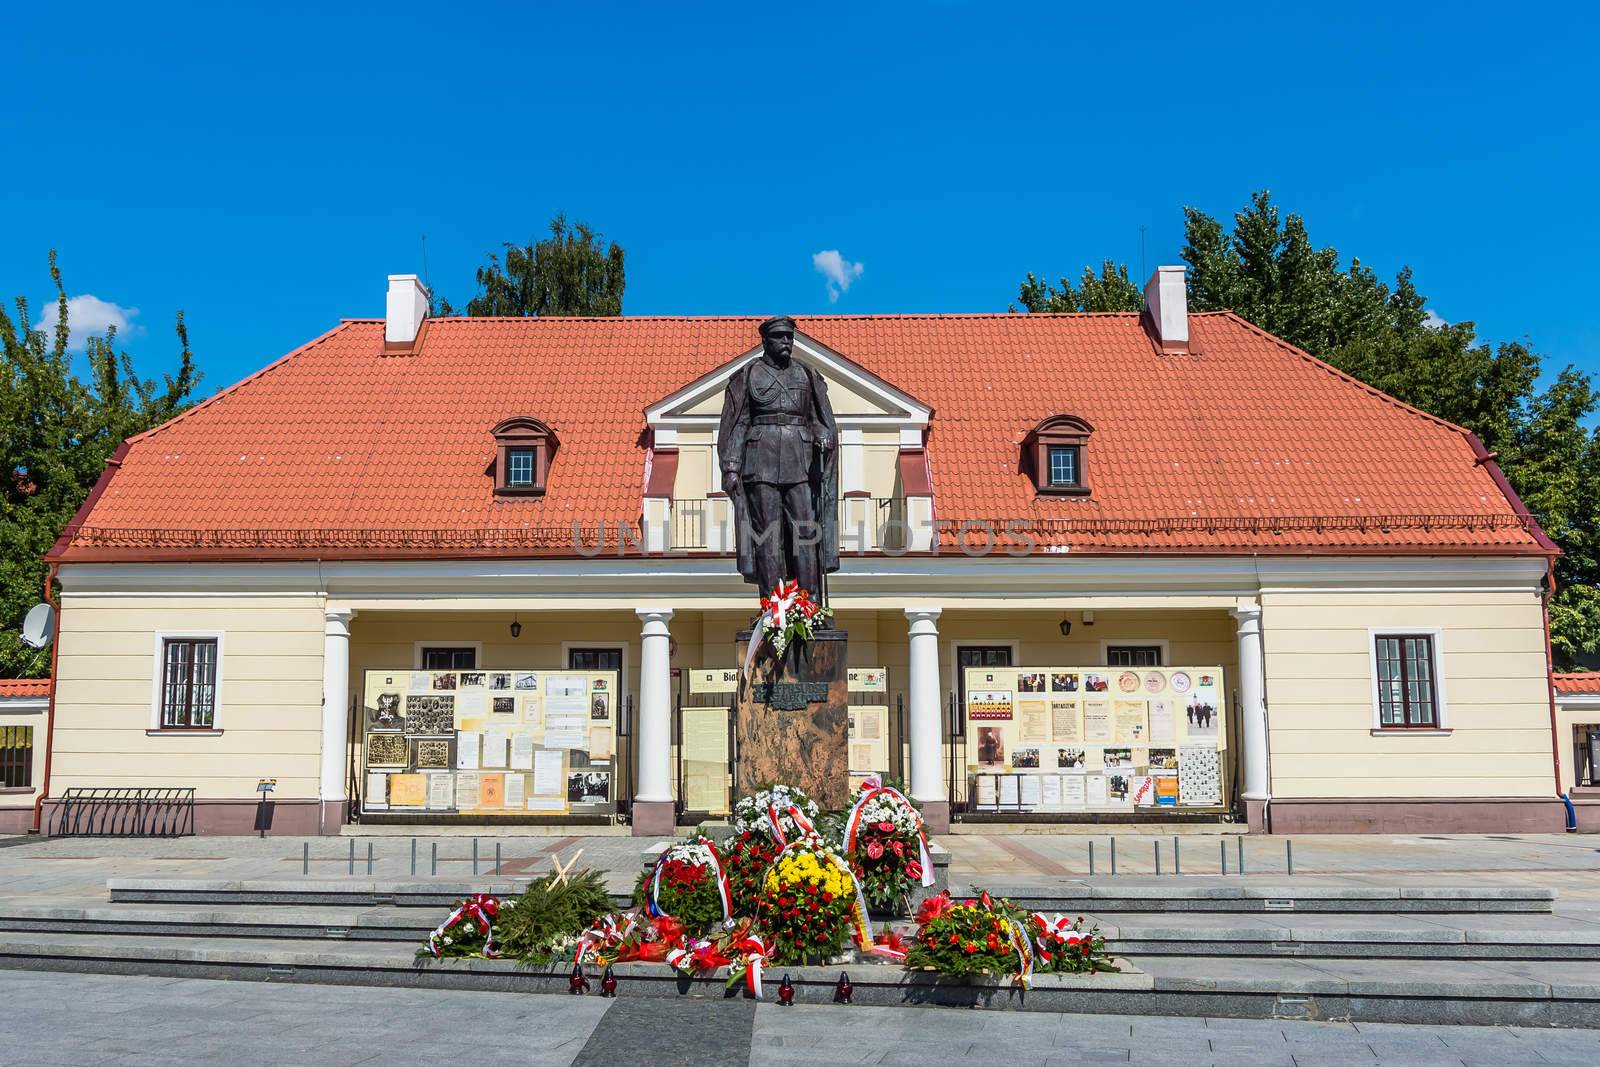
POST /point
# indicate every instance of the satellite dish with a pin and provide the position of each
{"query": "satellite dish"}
(39, 626)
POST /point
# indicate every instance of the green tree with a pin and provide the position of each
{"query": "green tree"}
(572, 272)
(56, 432)
(1110, 290)
(1266, 268)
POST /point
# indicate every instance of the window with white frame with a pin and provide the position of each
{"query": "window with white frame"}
(188, 683)
(1407, 680)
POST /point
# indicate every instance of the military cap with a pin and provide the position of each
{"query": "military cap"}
(780, 324)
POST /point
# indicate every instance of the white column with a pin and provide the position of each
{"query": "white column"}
(926, 721)
(1252, 704)
(335, 701)
(655, 707)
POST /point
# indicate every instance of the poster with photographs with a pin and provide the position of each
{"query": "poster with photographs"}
(991, 746)
(1163, 761)
(384, 713)
(1064, 681)
(462, 743)
(989, 705)
(1202, 707)
(430, 716)
(387, 750)
(1071, 760)
(433, 756)
(588, 787)
(1030, 682)
(1199, 775)
(1108, 739)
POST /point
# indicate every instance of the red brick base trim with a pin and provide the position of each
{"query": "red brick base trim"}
(16, 820)
(1371, 815)
(233, 818)
(654, 818)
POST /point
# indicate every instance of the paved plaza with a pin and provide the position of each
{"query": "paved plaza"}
(1010, 861)
(82, 1019)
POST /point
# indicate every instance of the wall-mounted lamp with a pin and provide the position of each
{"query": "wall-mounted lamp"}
(1066, 628)
(516, 627)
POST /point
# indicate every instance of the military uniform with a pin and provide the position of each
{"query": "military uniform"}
(774, 418)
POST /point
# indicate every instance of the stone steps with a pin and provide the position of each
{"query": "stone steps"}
(309, 892)
(1175, 896)
(1136, 934)
(1193, 895)
(1538, 993)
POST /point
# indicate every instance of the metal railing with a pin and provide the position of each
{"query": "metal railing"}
(883, 525)
(163, 811)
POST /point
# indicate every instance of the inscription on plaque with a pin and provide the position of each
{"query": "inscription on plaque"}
(789, 696)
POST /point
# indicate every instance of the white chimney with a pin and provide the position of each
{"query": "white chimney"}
(406, 308)
(1166, 306)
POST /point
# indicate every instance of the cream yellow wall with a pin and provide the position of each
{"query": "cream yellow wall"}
(1319, 676)
(269, 699)
(25, 712)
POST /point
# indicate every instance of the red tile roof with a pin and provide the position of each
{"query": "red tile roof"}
(1588, 682)
(1246, 444)
(16, 688)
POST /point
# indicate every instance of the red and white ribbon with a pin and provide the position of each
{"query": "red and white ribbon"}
(755, 953)
(1024, 946)
(608, 931)
(871, 789)
(713, 861)
(1058, 927)
(786, 600)
(481, 908)
(801, 823)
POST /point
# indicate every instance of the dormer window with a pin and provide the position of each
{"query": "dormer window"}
(1063, 466)
(524, 448)
(1054, 454)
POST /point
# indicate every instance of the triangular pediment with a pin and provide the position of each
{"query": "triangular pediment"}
(859, 397)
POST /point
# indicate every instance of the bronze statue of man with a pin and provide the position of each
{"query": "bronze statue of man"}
(778, 448)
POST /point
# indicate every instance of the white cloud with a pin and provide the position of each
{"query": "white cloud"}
(839, 271)
(1432, 320)
(88, 316)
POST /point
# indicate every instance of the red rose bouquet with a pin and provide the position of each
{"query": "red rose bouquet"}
(992, 937)
(808, 903)
(762, 824)
(1063, 946)
(887, 847)
(973, 937)
(687, 882)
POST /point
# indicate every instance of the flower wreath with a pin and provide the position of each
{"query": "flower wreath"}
(788, 614)
(685, 864)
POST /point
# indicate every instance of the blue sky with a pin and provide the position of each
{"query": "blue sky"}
(265, 168)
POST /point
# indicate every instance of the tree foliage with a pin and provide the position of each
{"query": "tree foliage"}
(57, 432)
(572, 272)
(1266, 268)
(1110, 290)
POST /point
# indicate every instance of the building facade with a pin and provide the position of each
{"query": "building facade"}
(1113, 567)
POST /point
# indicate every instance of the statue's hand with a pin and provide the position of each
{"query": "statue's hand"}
(825, 440)
(730, 482)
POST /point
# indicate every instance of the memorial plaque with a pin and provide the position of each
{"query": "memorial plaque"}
(792, 723)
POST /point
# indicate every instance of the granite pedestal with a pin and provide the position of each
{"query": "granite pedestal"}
(793, 721)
